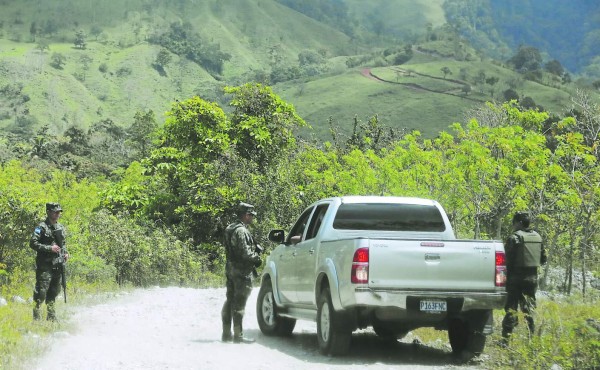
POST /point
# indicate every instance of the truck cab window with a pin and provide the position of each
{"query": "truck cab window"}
(316, 221)
(299, 228)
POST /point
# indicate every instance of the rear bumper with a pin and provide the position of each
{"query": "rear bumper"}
(364, 296)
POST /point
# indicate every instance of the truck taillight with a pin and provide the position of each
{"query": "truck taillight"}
(500, 269)
(360, 266)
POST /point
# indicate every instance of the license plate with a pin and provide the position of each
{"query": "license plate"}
(433, 306)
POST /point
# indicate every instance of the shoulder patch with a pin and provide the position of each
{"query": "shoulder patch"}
(38, 230)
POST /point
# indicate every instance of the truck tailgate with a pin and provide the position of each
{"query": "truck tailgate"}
(454, 265)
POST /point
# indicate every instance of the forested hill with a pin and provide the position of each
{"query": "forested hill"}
(568, 31)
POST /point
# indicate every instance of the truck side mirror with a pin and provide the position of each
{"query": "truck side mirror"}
(277, 236)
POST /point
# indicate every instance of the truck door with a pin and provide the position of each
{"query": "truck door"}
(306, 257)
(287, 281)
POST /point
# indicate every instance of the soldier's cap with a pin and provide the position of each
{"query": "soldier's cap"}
(53, 207)
(244, 208)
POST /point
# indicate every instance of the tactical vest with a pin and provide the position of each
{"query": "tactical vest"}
(529, 250)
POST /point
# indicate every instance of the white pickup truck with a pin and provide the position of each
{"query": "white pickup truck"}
(391, 263)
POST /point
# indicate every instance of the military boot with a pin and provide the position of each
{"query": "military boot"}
(226, 336)
(37, 312)
(238, 335)
(51, 316)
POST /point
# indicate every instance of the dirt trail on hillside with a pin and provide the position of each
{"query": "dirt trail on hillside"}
(180, 328)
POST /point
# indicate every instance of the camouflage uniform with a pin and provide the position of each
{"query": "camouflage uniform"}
(48, 264)
(242, 259)
(524, 254)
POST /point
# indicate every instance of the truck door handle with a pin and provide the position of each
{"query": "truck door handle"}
(311, 251)
(294, 254)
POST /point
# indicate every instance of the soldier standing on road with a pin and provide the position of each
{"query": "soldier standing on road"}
(243, 256)
(524, 254)
(50, 256)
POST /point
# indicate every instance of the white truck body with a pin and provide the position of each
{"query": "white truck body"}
(392, 263)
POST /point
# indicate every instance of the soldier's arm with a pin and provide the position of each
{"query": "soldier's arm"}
(510, 251)
(242, 241)
(35, 241)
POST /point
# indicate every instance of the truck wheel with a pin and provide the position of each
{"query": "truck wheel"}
(266, 314)
(464, 340)
(332, 332)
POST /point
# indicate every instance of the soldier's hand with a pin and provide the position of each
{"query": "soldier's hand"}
(55, 248)
(66, 256)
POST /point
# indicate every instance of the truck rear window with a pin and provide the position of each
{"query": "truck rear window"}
(389, 217)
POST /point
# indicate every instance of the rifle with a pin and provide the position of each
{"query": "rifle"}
(258, 250)
(59, 237)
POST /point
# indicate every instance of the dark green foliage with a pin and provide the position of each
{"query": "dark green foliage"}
(15, 230)
(554, 67)
(58, 60)
(262, 123)
(141, 255)
(527, 59)
(80, 41)
(510, 94)
(183, 41)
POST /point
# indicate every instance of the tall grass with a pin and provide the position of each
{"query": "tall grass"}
(567, 335)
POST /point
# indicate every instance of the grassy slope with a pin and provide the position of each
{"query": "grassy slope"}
(402, 106)
(247, 30)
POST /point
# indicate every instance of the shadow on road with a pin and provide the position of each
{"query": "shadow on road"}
(365, 349)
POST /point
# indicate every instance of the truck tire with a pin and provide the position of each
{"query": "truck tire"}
(269, 321)
(333, 333)
(465, 341)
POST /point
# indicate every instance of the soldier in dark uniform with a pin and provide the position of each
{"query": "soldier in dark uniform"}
(50, 255)
(524, 254)
(243, 256)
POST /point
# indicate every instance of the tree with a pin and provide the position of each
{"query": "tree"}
(555, 67)
(34, 30)
(80, 41)
(42, 45)
(163, 58)
(140, 133)
(96, 31)
(510, 94)
(527, 59)
(262, 123)
(466, 89)
(446, 71)
(492, 81)
(309, 57)
(58, 60)
(85, 61)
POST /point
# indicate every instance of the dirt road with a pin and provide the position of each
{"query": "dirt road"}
(179, 328)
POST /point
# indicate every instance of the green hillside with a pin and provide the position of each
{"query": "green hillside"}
(411, 96)
(404, 18)
(118, 79)
(115, 75)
